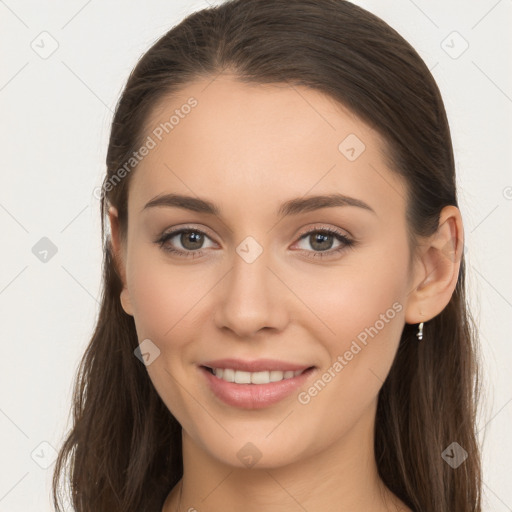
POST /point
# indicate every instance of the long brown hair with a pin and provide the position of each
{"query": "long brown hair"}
(124, 449)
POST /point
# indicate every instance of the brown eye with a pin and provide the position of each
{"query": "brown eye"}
(321, 242)
(192, 240)
(184, 242)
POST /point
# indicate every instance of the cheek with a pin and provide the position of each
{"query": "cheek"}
(351, 297)
(364, 314)
(156, 294)
(153, 302)
(166, 297)
(360, 305)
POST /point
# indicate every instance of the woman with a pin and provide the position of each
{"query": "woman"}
(284, 323)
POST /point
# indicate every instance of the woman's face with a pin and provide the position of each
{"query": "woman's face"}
(261, 278)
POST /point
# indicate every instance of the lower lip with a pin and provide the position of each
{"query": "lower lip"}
(254, 396)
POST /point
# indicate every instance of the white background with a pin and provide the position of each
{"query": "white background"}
(55, 115)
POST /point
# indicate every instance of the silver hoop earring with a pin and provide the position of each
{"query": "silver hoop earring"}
(419, 334)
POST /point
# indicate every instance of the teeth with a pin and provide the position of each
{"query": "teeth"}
(242, 377)
(265, 377)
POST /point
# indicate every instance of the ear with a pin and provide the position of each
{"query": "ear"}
(437, 268)
(118, 250)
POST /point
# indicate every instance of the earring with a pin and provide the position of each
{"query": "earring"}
(419, 334)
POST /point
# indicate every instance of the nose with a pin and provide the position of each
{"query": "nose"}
(251, 298)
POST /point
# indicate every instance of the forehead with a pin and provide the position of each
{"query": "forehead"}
(220, 136)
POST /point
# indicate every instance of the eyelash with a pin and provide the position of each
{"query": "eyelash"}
(347, 243)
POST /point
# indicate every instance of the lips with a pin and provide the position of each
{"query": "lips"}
(259, 392)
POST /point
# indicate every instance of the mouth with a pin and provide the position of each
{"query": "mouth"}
(254, 390)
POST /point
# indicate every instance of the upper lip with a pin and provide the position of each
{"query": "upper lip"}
(256, 365)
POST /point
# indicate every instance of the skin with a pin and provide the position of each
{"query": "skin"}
(248, 149)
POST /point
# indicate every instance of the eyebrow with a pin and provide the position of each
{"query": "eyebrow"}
(291, 207)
